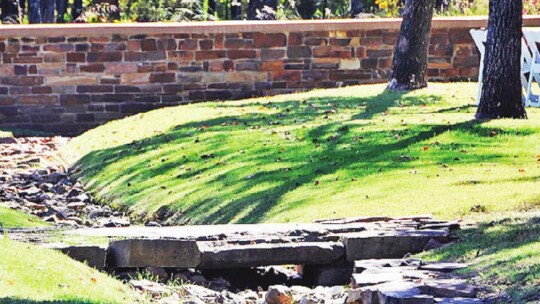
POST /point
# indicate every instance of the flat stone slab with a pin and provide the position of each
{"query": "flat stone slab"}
(389, 293)
(157, 252)
(214, 256)
(93, 256)
(450, 288)
(443, 267)
(371, 277)
(458, 301)
(389, 244)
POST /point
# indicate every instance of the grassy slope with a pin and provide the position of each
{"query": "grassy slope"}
(327, 153)
(29, 274)
(503, 253)
(16, 219)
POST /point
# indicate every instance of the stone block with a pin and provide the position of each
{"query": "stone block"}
(269, 40)
(154, 252)
(103, 56)
(389, 244)
(328, 275)
(215, 256)
(94, 256)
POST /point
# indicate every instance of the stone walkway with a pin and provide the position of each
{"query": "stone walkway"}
(33, 179)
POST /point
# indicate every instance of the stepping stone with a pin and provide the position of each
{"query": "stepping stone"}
(362, 265)
(450, 288)
(394, 292)
(214, 256)
(371, 277)
(389, 244)
(443, 267)
(154, 252)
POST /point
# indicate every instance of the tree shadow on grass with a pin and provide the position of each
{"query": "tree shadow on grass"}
(237, 168)
(503, 252)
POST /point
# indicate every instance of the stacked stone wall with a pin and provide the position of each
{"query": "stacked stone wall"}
(67, 79)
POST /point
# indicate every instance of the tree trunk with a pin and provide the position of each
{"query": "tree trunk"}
(262, 9)
(47, 11)
(236, 10)
(356, 8)
(10, 11)
(409, 68)
(501, 87)
(76, 9)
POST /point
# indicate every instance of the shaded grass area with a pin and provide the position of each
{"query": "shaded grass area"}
(29, 274)
(503, 253)
(16, 219)
(353, 151)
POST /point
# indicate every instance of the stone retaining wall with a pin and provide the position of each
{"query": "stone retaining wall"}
(69, 78)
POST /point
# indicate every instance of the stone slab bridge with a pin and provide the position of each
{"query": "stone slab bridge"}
(327, 249)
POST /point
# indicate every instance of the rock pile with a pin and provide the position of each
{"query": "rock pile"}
(34, 180)
(374, 281)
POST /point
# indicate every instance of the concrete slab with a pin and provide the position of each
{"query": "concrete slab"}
(389, 244)
(158, 252)
(93, 256)
(214, 256)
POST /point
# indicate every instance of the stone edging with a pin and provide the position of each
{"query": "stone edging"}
(225, 27)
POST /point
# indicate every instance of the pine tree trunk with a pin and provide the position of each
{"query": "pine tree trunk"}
(47, 11)
(501, 87)
(356, 8)
(10, 11)
(262, 9)
(409, 68)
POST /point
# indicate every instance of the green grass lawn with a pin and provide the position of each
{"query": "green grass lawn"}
(16, 219)
(352, 151)
(503, 252)
(29, 274)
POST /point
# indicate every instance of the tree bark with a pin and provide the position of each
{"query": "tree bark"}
(409, 67)
(262, 9)
(501, 94)
(10, 11)
(356, 8)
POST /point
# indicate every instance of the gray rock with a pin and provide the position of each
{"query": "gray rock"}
(389, 244)
(443, 267)
(450, 288)
(159, 253)
(251, 255)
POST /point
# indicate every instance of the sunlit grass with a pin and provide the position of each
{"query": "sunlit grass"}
(502, 253)
(29, 274)
(328, 153)
(16, 219)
